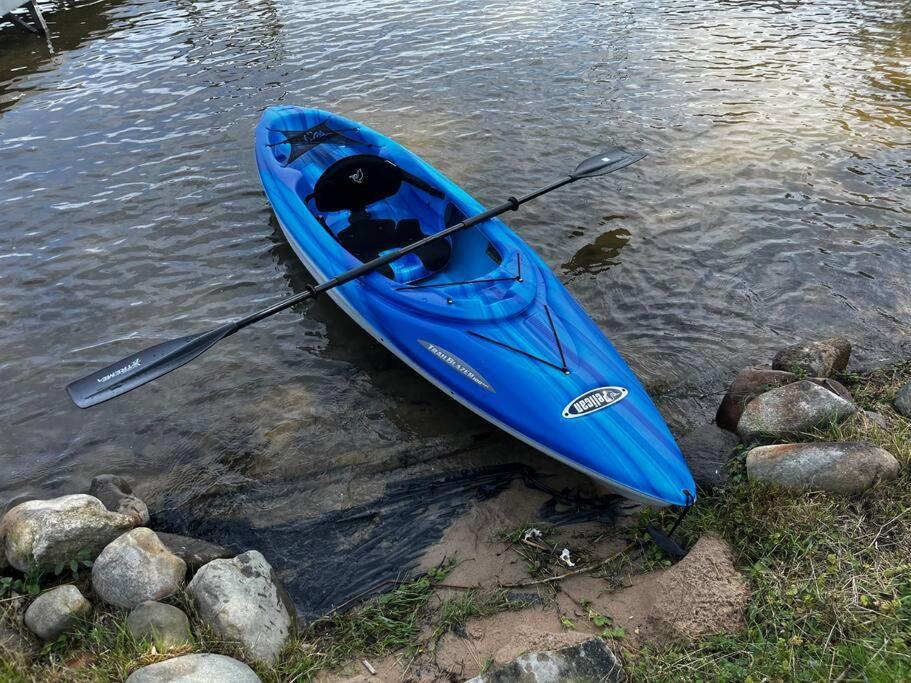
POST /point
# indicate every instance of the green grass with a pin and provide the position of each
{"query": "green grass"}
(455, 612)
(830, 575)
(407, 620)
(102, 649)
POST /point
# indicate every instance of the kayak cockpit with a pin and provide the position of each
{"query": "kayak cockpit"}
(362, 201)
(358, 195)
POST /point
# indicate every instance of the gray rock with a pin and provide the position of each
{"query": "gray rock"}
(200, 668)
(244, 602)
(45, 533)
(588, 662)
(903, 400)
(866, 419)
(165, 625)
(194, 552)
(137, 567)
(57, 612)
(791, 410)
(817, 359)
(747, 385)
(707, 450)
(751, 382)
(842, 467)
(117, 495)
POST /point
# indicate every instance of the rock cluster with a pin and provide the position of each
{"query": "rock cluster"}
(238, 598)
(783, 403)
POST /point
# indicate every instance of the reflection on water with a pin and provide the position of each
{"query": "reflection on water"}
(598, 256)
(774, 205)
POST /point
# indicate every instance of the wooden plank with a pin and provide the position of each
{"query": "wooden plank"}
(38, 24)
(37, 17)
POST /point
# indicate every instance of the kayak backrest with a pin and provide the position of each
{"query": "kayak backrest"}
(354, 182)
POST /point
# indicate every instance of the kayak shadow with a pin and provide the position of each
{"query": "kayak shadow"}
(325, 561)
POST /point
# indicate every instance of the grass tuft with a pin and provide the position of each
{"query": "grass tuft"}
(830, 575)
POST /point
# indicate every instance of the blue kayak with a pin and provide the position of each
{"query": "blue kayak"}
(477, 313)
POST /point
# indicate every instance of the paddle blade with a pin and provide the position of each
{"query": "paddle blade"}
(143, 367)
(606, 162)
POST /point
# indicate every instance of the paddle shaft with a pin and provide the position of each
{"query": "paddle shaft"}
(151, 363)
(312, 292)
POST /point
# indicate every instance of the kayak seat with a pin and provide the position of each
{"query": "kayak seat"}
(355, 182)
(367, 238)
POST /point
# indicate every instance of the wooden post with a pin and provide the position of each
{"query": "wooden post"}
(38, 24)
(37, 17)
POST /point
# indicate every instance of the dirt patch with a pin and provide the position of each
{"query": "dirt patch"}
(473, 540)
(500, 639)
(702, 594)
(484, 642)
(486, 561)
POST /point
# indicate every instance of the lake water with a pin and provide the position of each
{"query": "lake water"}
(774, 206)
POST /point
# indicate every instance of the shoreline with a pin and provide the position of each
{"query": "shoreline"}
(500, 583)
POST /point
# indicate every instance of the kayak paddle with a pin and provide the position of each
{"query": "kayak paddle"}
(150, 364)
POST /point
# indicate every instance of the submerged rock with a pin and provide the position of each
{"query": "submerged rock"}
(903, 400)
(200, 668)
(707, 450)
(244, 602)
(165, 625)
(843, 467)
(751, 382)
(117, 495)
(588, 662)
(57, 612)
(193, 551)
(818, 359)
(44, 533)
(790, 410)
(137, 567)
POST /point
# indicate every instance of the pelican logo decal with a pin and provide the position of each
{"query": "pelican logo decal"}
(358, 176)
(593, 401)
(457, 364)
